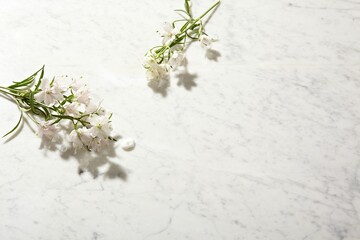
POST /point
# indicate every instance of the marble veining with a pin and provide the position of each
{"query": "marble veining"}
(258, 139)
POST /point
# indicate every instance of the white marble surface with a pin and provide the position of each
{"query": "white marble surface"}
(264, 144)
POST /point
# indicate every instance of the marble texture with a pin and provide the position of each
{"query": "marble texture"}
(261, 142)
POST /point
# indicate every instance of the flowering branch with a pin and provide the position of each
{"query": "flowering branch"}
(160, 59)
(61, 104)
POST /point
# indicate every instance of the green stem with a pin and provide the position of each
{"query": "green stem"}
(183, 32)
(203, 15)
(211, 8)
(180, 20)
(9, 93)
(70, 118)
(33, 119)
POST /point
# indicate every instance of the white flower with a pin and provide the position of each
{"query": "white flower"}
(169, 33)
(149, 61)
(76, 141)
(60, 82)
(91, 108)
(102, 111)
(83, 95)
(176, 59)
(155, 71)
(73, 109)
(49, 94)
(76, 84)
(98, 144)
(48, 130)
(91, 126)
(206, 41)
(101, 126)
(157, 74)
(80, 137)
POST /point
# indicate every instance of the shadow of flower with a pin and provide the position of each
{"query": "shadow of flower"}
(212, 55)
(187, 80)
(160, 87)
(88, 161)
(116, 171)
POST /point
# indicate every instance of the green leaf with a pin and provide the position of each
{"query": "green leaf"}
(177, 41)
(193, 38)
(52, 81)
(23, 83)
(42, 72)
(57, 121)
(39, 111)
(40, 78)
(37, 86)
(184, 27)
(180, 10)
(187, 7)
(47, 113)
(17, 125)
(31, 99)
(195, 26)
(28, 81)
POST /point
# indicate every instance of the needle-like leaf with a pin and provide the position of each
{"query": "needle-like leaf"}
(17, 125)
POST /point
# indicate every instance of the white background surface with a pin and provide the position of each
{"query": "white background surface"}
(262, 144)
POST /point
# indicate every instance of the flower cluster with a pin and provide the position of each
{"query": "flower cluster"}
(62, 107)
(170, 54)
